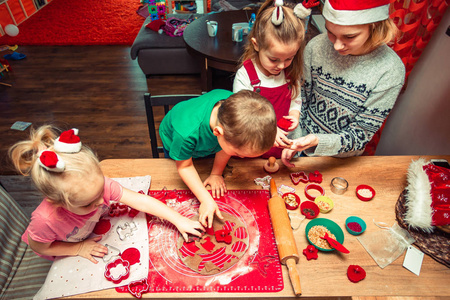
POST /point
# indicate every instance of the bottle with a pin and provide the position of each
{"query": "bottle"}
(251, 21)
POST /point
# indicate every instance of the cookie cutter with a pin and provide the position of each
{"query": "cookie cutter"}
(339, 185)
(113, 252)
(264, 182)
(313, 186)
(125, 230)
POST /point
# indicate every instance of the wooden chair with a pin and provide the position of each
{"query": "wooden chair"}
(166, 101)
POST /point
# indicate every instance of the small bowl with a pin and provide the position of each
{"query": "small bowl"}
(327, 203)
(312, 210)
(331, 226)
(291, 206)
(357, 220)
(364, 187)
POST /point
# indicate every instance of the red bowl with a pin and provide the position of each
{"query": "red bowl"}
(364, 187)
(309, 209)
(289, 205)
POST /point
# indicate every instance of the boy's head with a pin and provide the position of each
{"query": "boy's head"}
(246, 125)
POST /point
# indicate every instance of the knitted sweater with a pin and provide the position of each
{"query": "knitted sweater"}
(345, 99)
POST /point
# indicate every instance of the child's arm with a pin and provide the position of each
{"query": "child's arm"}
(87, 248)
(215, 179)
(155, 207)
(208, 207)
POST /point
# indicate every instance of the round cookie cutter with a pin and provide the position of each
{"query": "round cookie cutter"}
(339, 185)
(313, 186)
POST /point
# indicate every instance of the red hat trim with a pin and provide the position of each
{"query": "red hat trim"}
(68, 142)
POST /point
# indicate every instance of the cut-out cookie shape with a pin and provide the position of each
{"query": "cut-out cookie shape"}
(126, 230)
(139, 287)
(209, 255)
(117, 270)
(102, 226)
(132, 255)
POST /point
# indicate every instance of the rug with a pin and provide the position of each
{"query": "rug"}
(80, 22)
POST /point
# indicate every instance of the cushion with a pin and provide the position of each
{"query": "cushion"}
(18, 263)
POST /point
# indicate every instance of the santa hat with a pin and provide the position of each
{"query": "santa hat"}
(68, 142)
(355, 12)
(51, 161)
(303, 10)
(428, 196)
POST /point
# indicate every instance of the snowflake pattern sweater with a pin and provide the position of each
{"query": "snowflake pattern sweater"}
(345, 99)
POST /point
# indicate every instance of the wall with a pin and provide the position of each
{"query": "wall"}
(419, 124)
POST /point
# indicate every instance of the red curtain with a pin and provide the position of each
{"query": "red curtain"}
(416, 20)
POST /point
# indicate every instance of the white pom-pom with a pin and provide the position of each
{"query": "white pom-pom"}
(301, 12)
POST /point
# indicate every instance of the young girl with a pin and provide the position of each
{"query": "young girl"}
(76, 195)
(272, 63)
(352, 80)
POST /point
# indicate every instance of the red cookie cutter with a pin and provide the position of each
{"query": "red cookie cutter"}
(355, 273)
(223, 236)
(121, 276)
(313, 186)
(139, 287)
(298, 177)
(284, 124)
(311, 252)
(117, 209)
(315, 177)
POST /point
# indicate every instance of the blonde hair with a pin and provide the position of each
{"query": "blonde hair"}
(24, 156)
(381, 32)
(248, 121)
(291, 30)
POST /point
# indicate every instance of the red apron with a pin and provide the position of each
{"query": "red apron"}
(279, 96)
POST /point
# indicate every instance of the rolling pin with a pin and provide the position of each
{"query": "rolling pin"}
(287, 249)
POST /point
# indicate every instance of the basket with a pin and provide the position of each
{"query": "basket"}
(435, 244)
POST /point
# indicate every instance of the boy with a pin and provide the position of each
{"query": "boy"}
(220, 123)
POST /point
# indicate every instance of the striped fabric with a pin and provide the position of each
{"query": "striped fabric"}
(22, 272)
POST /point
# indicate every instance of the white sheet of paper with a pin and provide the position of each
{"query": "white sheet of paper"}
(413, 260)
(77, 275)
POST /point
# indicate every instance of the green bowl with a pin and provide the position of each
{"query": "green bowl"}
(330, 225)
(355, 220)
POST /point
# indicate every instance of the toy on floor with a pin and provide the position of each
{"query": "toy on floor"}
(271, 166)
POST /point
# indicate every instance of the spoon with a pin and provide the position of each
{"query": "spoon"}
(335, 244)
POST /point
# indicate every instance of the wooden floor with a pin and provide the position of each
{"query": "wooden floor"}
(98, 89)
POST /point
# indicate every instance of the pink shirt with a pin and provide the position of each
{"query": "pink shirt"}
(49, 223)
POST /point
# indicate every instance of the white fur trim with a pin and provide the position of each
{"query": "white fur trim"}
(418, 197)
(301, 12)
(277, 16)
(355, 17)
(66, 147)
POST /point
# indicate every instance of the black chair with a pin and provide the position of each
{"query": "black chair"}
(166, 101)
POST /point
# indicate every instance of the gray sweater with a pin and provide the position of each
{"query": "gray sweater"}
(345, 99)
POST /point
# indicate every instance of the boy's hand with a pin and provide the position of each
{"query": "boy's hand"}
(217, 184)
(206, 212)
(186, 226)
(90, 247)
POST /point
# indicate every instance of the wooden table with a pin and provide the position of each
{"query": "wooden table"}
(326, 276)
(218, 52)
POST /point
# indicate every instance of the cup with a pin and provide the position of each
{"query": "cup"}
(237, 33)
(212, 28)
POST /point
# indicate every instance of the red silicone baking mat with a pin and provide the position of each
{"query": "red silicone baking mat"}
(259, 270)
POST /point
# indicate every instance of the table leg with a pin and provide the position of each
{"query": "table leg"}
(206, 76)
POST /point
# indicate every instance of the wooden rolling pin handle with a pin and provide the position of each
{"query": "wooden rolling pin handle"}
(293, 275)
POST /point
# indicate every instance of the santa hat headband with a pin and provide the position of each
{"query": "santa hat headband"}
(68, 142)
(355, 12)
(51, 161)
(301, 10)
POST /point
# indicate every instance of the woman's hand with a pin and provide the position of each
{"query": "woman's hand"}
(217, 184)
(186, 226)
(90, 247)
(305, 142)
(208, 208)
(294, 122)
(286, 157)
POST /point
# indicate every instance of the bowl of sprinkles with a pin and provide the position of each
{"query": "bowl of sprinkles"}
(355, 225)
(324, 203)
(365, 192)
(317, 228)
(309, 209)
